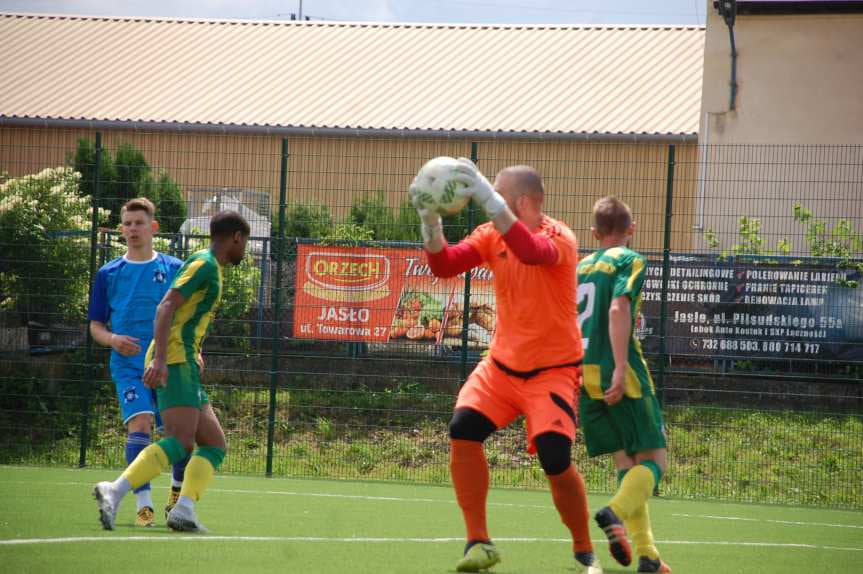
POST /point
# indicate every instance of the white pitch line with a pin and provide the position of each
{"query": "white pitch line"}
(211, 538)
(791, 522)
(306, 494)
(365, 497)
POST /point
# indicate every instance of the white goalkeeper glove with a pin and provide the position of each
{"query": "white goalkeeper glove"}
(478, 188)
(430, 222)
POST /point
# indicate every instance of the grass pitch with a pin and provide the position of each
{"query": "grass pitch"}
(49, 523)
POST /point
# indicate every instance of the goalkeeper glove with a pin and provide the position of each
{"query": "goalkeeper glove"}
(430, 221)
(478, 188)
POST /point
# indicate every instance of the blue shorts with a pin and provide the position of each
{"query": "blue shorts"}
(134, 397)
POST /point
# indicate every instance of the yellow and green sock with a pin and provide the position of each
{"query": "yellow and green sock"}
(635, 488)
(638, 527)
(638, 524)
(153, 460)
(199, 473)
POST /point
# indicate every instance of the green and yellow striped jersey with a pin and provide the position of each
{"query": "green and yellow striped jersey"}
(200, 282)
(602, 277)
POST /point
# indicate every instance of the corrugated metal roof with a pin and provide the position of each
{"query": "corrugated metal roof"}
(541, 80)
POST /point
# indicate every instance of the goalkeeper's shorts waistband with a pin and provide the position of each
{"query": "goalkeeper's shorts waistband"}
(534, 372)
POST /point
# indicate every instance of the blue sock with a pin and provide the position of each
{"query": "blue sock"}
(135, 443)
(585, 558)
(180, 471)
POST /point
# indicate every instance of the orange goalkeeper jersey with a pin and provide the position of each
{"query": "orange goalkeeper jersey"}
(537, 314)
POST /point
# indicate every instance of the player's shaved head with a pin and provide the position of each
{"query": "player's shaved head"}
(526, 180)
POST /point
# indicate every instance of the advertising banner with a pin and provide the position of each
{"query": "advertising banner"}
(384, 294)
(764, 310)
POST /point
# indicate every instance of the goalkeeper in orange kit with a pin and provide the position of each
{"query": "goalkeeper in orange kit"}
(532, 367)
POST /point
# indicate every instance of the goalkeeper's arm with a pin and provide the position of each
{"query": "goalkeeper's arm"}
(446, 261)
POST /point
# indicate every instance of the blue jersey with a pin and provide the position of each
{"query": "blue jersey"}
(125, 294)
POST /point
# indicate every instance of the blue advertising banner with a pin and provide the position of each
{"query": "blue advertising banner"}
(755, 310)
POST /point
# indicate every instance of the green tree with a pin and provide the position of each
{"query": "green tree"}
(133, 180)
(84, 162)
(125, 176)
(171, 207)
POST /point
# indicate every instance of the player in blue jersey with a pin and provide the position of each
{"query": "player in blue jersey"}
(125, 295)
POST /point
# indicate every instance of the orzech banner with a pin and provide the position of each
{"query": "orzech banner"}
(381, 294)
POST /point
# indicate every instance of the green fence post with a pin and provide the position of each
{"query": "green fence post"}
(465, 319)
(87, 383)
(666, 268)
(279, 253)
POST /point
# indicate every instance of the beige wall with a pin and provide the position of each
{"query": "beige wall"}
(796, 132)
(332, 171)
(800, 80)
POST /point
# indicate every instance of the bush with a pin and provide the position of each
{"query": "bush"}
(349, 233)
(307, 220)
(455, 227)
(239, 293)
(126, 176)
(371, 212)
(44, 240)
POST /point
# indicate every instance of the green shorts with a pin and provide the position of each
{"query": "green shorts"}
(632, 425)
(183, 389)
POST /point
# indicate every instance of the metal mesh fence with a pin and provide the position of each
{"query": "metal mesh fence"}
(336, 354)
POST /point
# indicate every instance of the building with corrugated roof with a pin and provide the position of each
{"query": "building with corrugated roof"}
(362, 105)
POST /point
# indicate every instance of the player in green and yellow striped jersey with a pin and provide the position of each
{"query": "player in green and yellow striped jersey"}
(173, 367)
(618, 410)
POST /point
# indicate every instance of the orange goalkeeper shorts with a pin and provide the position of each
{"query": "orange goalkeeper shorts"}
(548, 400)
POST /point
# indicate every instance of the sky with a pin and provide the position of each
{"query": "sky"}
(604, 12)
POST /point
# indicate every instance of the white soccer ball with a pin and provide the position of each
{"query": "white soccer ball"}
(437, 187)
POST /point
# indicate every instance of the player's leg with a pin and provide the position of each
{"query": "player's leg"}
(199, 473)
(639, 423)
(548, 402)
(178, 472)
(569, 496)
(638, 523)
(178, 469)
(181, 424)
(468, 429)
(478, 413)
(137, 439)
(601, 436)
(139, 409)
(136, 408)
(149, 463)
